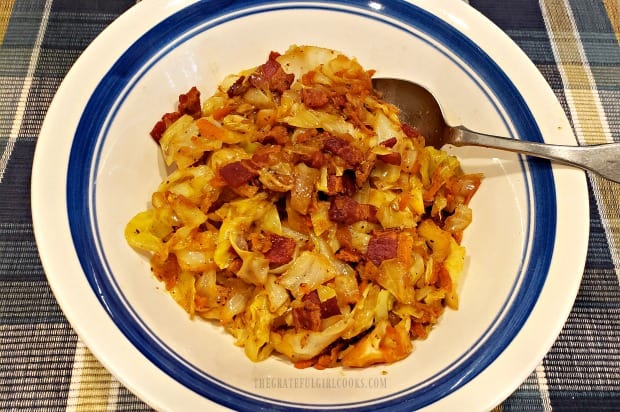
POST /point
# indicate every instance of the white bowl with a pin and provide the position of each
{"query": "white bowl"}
(95, 167)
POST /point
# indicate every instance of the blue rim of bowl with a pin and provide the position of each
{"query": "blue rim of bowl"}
(199, 17)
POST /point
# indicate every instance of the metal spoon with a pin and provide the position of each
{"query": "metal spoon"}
(419, 108)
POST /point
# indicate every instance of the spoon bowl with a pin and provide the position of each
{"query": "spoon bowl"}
(420, 109)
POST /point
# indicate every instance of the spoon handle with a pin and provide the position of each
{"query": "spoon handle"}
(603, 159)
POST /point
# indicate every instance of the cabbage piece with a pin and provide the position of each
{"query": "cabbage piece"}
(194, 183)
(254, 268)
(302, 192)
(394, 276)
(338, 266)
(177, 135)
(299, 60)
(386, 128)
(184, 291)
(278, 295)
(239, 216)
(454, 265)
(459, 220)
(139, 232)
(347, 289)
(194, 260)
(186, 211)
(391, 216)
(384, 344)
(257, 320)
(279, 177)
(301, 116)
(307, 272)
(363, 314)
(320, 218)
(304, 345)
(438, 239)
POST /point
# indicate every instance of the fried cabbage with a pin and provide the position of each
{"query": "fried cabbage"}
(303, 217)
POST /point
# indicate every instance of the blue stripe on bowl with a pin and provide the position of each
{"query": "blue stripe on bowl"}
(197, 18)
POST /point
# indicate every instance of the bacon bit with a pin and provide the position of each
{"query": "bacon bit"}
(349, 255)
(410, 131)
(307, 135)
(316, 160)
(314, 97)
(340, 185)
(344, 237)
(382, 246)
(308, 316)
(266, 155)
(308, 78)
(189, 103)
(277, 134)
(330, 308)
(271, 76)
(389, 142)
(345, 150)
(237, 88)
(282, 249)
(160, 127)
(237, 173)
(259, 242)
(339, 100)
(346, 210)
(391, 158)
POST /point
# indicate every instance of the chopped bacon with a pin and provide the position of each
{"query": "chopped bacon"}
(389, 142)
(271, 76)
(266, 155)
(237, 88)
(315, 160)
(340, 185)
(330, 308)
(277, 134)
(237, 173)
(410, 131)
(349, 255)
(160, 127)
(344, 209)
(314, 97)
(308, 316)
(189, 103)
(282, 249)
(382, 246)
(344, 237)
(345, 150)
(393, 158)
(259, 242)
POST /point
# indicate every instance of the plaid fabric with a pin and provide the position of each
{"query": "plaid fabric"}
(43, 365)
